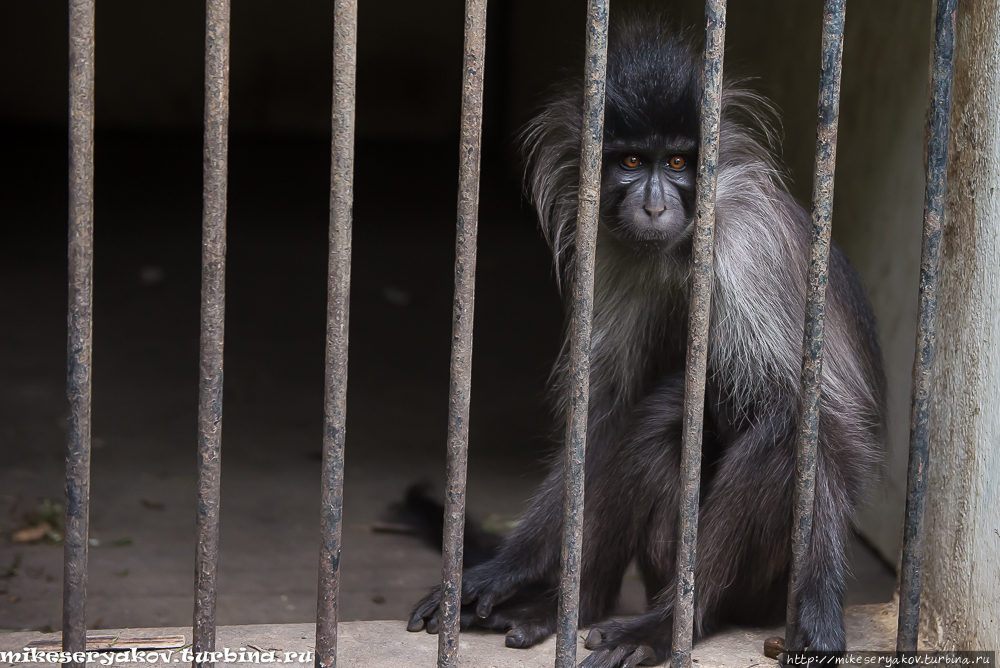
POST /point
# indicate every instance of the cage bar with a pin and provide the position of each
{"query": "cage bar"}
(460, 393)
(80, 323)
(699, 311)
(345, 28)
(589, 198)
(213, 307)
(807, 435)
(923, 362)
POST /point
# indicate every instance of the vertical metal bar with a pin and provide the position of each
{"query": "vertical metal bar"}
(78, 348)
(589, 197)
(345, 27)
(213, 306)
(699, 310)
(923, 362)
(815, 315)
(461, 342)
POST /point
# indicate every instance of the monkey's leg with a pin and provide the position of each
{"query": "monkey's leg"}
(820, 589)
(742, 547)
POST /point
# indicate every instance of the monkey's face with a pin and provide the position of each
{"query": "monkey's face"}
(647, 190)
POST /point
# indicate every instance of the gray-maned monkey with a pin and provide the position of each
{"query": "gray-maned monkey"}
(637, 376)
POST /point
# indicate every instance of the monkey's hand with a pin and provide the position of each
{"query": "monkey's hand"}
(427, 613)
(625, 645)
(527, 613)
(482, 586)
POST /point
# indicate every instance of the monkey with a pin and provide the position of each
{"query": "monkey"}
(754, 361)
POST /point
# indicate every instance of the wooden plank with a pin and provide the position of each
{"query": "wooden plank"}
(119, 641)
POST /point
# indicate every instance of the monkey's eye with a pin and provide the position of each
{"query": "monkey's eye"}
(631, 162)
(677, 162)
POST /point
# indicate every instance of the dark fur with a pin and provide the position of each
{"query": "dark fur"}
(637, 380)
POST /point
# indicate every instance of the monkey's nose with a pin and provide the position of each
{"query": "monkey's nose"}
(654, 210)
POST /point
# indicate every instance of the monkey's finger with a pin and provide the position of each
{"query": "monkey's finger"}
(428, 603)
(606, 658)
(593, 639)
(416, 623)
(485, 606)
(652, 659)
(526, 635)
(434, 623)
(643, 656)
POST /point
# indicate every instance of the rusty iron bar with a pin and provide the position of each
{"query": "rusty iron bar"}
(807, 435)
(213, 307)
(345, 30)
(460, 394)
(699, 310)
(589, 198)
(80, 323)
(923, 362)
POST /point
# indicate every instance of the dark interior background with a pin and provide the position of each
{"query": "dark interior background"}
(149, 69)
(149, 78)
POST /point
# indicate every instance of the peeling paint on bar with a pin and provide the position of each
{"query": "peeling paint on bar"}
(461, 341)
(819, 255)
(345, 29)
(592, 141)
(80, 323)
(213, 307)
(923, 362)
(698, 320)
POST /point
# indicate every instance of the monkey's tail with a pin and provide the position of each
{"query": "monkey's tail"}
(425, 517)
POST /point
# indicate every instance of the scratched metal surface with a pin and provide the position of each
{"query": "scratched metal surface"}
(338, 317)
(819, 255)
(460, 390)
(595, 70)
(699, 311)
(80, 322)
(923, 362)
(213, 308)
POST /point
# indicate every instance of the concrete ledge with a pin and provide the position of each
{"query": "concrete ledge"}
(386, 644)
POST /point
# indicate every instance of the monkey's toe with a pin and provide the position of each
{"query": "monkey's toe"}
(610, 657)
(523, 636)
(644, 656)
(516, 639)
(434, 623)
(622, 656)
(594, 639)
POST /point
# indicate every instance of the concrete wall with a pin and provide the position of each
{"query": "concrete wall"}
(960, 606)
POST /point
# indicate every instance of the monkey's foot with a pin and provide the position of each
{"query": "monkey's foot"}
(626, 645)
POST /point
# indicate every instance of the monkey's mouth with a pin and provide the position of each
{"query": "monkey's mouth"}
(664, 233)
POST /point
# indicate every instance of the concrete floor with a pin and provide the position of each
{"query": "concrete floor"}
(378, 644)
(145, 376)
